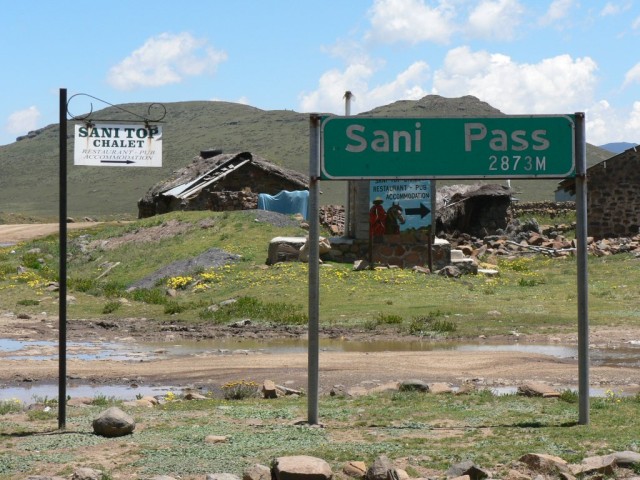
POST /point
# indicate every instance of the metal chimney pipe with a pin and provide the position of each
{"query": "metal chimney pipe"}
(347, 208)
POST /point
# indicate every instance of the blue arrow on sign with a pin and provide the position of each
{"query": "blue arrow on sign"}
(422, 210)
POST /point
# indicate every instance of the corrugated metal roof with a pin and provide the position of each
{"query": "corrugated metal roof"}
(211, 176)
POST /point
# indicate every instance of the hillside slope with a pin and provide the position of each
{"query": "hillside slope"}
(30, 167)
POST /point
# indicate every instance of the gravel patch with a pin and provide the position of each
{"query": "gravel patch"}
(274, 218)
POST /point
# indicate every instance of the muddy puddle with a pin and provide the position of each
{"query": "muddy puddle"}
(625, 356)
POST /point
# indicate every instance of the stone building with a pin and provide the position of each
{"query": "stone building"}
(613, 195)
(217, 181)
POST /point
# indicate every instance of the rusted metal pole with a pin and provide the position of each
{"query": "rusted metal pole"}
(62, 278)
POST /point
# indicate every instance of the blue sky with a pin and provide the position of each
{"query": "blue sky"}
(521, 56)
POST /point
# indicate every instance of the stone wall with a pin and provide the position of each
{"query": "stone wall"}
(547, 209)
(229, 200)
(206, 200)
(332, 218)
(392, 252)
(613, 196)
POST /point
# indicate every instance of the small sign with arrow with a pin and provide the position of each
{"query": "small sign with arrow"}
(127, 162)
(118, 145)
(409, 200)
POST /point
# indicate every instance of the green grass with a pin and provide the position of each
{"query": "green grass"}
(428, 431)
(533, 294)
(249, 307)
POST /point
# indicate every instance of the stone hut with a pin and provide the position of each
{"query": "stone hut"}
(478, 210)
(217, 181)
(613, 195)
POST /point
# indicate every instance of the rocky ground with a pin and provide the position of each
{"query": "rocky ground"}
(355, 372)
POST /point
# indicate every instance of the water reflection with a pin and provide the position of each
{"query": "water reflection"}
(34, 393)
(627, 356)
(46, 350)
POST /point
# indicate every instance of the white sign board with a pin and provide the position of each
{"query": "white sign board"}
(118, 145)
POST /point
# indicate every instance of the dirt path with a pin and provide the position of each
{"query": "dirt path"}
(21, 232)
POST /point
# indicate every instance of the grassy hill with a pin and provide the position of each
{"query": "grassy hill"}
(30, 167)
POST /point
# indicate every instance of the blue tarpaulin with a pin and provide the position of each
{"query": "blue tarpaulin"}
(285, 202)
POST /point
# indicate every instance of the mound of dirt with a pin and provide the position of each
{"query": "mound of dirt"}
(212, 258)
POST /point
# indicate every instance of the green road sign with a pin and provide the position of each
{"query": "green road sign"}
(532, 146)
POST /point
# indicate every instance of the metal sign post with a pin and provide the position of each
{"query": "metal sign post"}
(357, 148)
(314, 269)
(582, 275)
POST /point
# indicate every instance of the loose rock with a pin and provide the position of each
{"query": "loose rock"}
(84, 473)
(113, 422)
(257, 472)
(413, 384)
(467, 468)
(382, 469)
(536, 389)
(301, 467)
(355, 469)
(221, 476)
(545, 464)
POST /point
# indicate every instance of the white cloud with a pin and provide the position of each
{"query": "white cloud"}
(332, 85)
(554, 85)
(605, 124)
(165, 59)
(636, 24)
(23, 121)
(609, 9)
(632, 75)
(558, 10)
(408, 85)
(633, 124)
(495, 19)
(614, 8)
(411, 21)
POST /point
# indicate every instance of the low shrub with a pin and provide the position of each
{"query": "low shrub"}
(431, 324)
(172, 307)
(249, 307)
(152, 296)
(28, 302)
(391, 319)
(111, 307)
(239, 390)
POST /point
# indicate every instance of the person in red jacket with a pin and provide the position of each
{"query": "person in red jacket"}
(377, 219)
